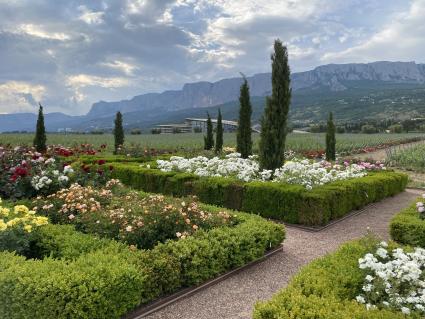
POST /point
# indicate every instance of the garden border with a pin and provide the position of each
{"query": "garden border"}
(147, 309)
(317, 229)
(292, 204)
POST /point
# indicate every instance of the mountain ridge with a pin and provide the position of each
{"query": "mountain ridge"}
(326, 83)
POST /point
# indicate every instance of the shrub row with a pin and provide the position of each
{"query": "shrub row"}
(288, 203)
(81, 276)
(407, 228)
(325, 289)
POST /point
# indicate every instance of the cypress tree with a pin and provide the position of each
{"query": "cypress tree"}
(243, 135)
(209, 138)
(40, 132)
(118, 132)
(330, 139)
(219, 133)
(275, 117)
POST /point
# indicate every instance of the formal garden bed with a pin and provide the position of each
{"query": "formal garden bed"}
(302, 191)
(408, 226)
(363, 279)
(97, 252)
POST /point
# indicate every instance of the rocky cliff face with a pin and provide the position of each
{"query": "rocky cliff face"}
(204, 94)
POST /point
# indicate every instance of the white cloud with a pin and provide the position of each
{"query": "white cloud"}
(39, 32)
(84, 80)
(402, 39)
(90, 17)
(21, 95)
(125, 67)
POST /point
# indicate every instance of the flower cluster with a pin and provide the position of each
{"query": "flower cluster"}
(82, 149)
(69, 205)
(20, 217)
(303, 172)
(50, 177)
(421, 208)
(311, 174)
(394, 279)
(116, 212)
(25, 173)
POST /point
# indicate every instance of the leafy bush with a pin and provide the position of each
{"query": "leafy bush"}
(326, 288)
(407, 228)
(16, 227)
(115, 212)
(369, 129)
(289, 203)
(81, 276)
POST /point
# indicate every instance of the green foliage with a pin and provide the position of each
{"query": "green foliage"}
(325, 289)
(289, 203)
(407, 228)
(411, 158)
(89, 282)
(136, 131)
(243, 135)
(40, 133)
(369, 129)
(118, 132)
(81, 276)
(209, 138)
(207, 254)
(219, 134)
(330, 139)
(396, 128)
(274, 120)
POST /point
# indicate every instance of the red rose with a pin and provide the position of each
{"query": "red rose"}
(101, 162)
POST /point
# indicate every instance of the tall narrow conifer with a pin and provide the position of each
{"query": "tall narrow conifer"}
(275, 117)
(243, 135)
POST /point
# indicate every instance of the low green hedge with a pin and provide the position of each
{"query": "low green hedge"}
(288, 203)
(407, 228)
(326, 289)
(82, 276)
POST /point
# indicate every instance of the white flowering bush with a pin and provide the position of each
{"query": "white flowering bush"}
(394, 279)
(50, 178)
(303, 172)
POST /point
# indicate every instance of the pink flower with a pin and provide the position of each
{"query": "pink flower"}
(71, 217)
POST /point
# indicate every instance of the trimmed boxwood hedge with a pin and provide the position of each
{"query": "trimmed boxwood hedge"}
(284, 202)
(81, 276)
(407, 228)
(326, 289)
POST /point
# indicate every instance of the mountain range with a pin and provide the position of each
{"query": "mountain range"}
(352, 91)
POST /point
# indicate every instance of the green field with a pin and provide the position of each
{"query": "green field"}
(346, 143)
(412, 158)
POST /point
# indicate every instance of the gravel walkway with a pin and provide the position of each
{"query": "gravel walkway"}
(234, 297)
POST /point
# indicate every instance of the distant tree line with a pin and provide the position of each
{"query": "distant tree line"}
(373, 126)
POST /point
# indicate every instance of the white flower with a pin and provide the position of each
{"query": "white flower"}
(68, 169)
(360, 299)
(405, 310)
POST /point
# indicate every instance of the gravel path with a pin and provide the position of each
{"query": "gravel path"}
(234, 297)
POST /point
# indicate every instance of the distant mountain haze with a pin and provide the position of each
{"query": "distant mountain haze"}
(356, 90)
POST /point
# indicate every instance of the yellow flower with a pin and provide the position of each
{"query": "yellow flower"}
(3, 225)
(21, 209)
(13, 222)
(4, 212)
(28, 228)
(39, 221)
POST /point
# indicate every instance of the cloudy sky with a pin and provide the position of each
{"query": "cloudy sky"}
(68, 54)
